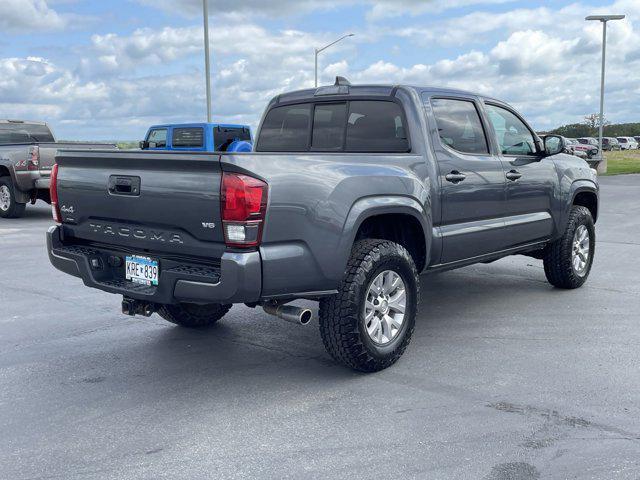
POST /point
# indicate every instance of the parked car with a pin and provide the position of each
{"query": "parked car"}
(637, 139)
(627, 143)
(573, 147)
(27, 152)
(585, 145)
(351, 193)
(198, 137)
(588, 141)
(610, 144)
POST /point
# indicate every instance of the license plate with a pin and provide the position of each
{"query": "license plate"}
(142, 270)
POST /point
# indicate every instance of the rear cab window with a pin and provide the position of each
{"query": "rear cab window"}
(356, 126)
(187, 137)
(328, 127)
(18, 132)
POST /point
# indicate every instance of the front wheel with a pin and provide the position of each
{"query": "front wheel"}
(369, 323)
(568, 260)
(9, 207)
(193, 316)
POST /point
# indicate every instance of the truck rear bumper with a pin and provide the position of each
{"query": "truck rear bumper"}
(236, 279)
(43, 183)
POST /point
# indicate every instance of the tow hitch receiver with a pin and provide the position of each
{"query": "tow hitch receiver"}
(136, 307)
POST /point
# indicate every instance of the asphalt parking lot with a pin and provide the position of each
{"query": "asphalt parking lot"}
(506, 378)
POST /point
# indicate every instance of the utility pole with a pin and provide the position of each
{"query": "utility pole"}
(207, 61)
(602, 165)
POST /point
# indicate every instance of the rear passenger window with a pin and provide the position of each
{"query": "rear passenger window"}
(188, 137)
(286, 129)
(328, 126)
(376, 126)
(459, 125)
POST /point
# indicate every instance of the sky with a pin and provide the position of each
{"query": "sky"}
(106, 70)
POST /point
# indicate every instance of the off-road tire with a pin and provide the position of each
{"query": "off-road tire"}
(341, 319)
(15, 210)
(194, 316)
(557, 256)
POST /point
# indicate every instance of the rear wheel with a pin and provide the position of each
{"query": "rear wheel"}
(9, 207)
(568, 260)
(369, 323)
(194, 316)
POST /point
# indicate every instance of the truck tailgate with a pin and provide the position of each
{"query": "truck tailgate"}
(148, 202)
(48, 151)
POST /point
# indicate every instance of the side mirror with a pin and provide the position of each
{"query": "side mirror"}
(553, 145)
(144, 145)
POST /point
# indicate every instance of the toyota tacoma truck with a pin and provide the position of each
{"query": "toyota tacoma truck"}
(352, 193)
(27, 152)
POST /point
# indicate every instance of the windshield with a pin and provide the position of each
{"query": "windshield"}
(24, 133)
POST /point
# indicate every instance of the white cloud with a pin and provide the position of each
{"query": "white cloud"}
(378, 9)
(23, 16)
(533, 52)
(382, 9)
(147, 46)
(249, 7)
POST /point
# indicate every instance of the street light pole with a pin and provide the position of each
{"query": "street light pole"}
(207, 62)
(318, 50)
(602, 165)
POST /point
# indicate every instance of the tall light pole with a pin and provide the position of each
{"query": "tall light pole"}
(318, 50)
(207, 62)
(602, 165)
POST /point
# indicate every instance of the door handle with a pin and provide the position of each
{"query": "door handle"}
(514, 175)
(124, 185)
(455, 177)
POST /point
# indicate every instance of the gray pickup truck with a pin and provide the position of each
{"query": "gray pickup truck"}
(27, 153)
(352, 192)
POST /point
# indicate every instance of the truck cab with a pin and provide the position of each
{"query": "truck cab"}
(198, 137)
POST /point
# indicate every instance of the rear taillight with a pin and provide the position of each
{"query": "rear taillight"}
(243, 204)
(53, 193)
(34, 158)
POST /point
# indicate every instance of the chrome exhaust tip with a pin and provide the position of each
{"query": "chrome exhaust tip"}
(290, 313)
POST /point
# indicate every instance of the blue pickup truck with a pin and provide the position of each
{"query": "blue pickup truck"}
(198, 137)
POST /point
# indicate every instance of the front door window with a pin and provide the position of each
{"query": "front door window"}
(514, 137)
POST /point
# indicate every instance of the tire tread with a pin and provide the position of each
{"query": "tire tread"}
(557, 256)
(16, 210)
(339, 314)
